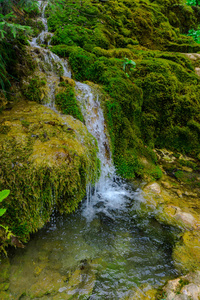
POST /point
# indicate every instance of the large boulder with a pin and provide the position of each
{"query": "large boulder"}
(46, 161)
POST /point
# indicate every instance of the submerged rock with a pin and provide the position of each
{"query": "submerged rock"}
(47, 161)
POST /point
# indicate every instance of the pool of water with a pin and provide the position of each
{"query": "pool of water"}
(105, 256)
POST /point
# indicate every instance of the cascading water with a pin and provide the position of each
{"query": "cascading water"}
(115, 255)
(48, 62)
(109, 190)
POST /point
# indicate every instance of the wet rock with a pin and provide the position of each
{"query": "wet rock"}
(173, 215)
(186, 253)
(80, 285)
(183, 288)
(166, 185)
(48, 283)
(153, 188)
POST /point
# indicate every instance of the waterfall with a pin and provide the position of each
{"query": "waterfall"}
(48, 62)
(110, 192)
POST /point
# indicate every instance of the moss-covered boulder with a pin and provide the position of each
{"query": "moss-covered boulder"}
(46, 161)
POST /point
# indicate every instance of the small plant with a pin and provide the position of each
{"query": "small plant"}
(3, 195)
(193, 2)
(195, 34)
(128, 62)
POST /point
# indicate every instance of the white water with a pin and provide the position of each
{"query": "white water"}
(109, 192)
(48, 62)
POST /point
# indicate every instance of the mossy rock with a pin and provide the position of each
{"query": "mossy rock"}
(186, 253)
(47, 161)
(65, 99)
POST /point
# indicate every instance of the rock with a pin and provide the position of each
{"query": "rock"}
(44, 155)
(192, 56)
(183, 288)
(80, 284)
(179, 193)
(186, 253)
(190, 194)
(173, 215)
(187, 169)
(153, 188)
(197, 71)
(166, 185)
(48, 283)
(67, 80)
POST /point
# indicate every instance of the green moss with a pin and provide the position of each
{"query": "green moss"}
(154, 107)
(67, 103)
(45, 165)
(32, 90)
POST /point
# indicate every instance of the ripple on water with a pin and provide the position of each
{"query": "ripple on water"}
(104, 258)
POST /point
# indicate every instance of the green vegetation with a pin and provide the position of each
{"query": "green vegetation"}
(46, 160)
(67, 103)
(193, 2)
(155, 104)
(5, 233)
(151, 96)
(195, 34)
(14, 28)
(33, 90)
(3, 194)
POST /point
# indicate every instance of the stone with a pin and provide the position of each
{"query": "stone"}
(152, 187)
(80, 284)
(183, 288)
(197, 71)
(186, 253)
(179, 193)
(166, 185)
(48, 283)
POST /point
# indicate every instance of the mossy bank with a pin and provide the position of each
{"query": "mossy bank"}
(46, 161)
(156, 104)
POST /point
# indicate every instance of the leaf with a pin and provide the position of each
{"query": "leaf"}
(2, 211)
(4, 194)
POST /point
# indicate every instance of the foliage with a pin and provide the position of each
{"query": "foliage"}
(145, 107)
(67, 103)
(193, 2)
(33, 89)
(49, 168)
(127, 62)
(6, 234)
(195, 34)
(3, 194)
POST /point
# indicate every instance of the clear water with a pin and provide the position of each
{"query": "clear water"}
(116, 252)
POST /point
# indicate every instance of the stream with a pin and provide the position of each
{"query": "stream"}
(107, 249)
